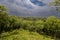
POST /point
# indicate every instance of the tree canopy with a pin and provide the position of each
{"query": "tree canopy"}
(57, 4)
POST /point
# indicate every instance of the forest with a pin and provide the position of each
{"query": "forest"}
(28, 28)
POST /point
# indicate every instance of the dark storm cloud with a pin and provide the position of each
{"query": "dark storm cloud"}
(37, 2)
(27, 8)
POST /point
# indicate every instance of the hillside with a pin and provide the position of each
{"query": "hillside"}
(23, 35)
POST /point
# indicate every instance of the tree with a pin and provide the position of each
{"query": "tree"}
(14, 22)
(39, 25)
(3, 17)
(56, 3)
(52, 26)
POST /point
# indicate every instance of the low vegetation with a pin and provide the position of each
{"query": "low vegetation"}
(23, 35)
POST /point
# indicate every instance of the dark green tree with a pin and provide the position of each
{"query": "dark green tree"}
(3, 18)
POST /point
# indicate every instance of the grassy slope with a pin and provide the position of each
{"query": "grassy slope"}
(23, 35)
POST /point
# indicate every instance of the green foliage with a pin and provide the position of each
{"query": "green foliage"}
(57, 4)
(23, 35)
(3, 18)
(39, 25)
(3, 9)
(49, 26)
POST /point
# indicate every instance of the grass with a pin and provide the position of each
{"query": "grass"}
(23, 35)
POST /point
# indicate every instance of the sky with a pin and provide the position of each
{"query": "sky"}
(38, 8)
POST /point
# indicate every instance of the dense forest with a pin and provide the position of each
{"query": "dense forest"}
(43, 26)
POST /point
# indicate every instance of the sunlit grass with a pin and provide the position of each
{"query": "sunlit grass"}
(23, 35)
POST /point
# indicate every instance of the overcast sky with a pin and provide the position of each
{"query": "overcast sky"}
(37, 8)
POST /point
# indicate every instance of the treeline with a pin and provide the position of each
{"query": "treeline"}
(48, 26)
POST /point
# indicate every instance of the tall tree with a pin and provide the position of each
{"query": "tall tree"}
(3, 17)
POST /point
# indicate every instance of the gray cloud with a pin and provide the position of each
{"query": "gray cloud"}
(27, 8)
